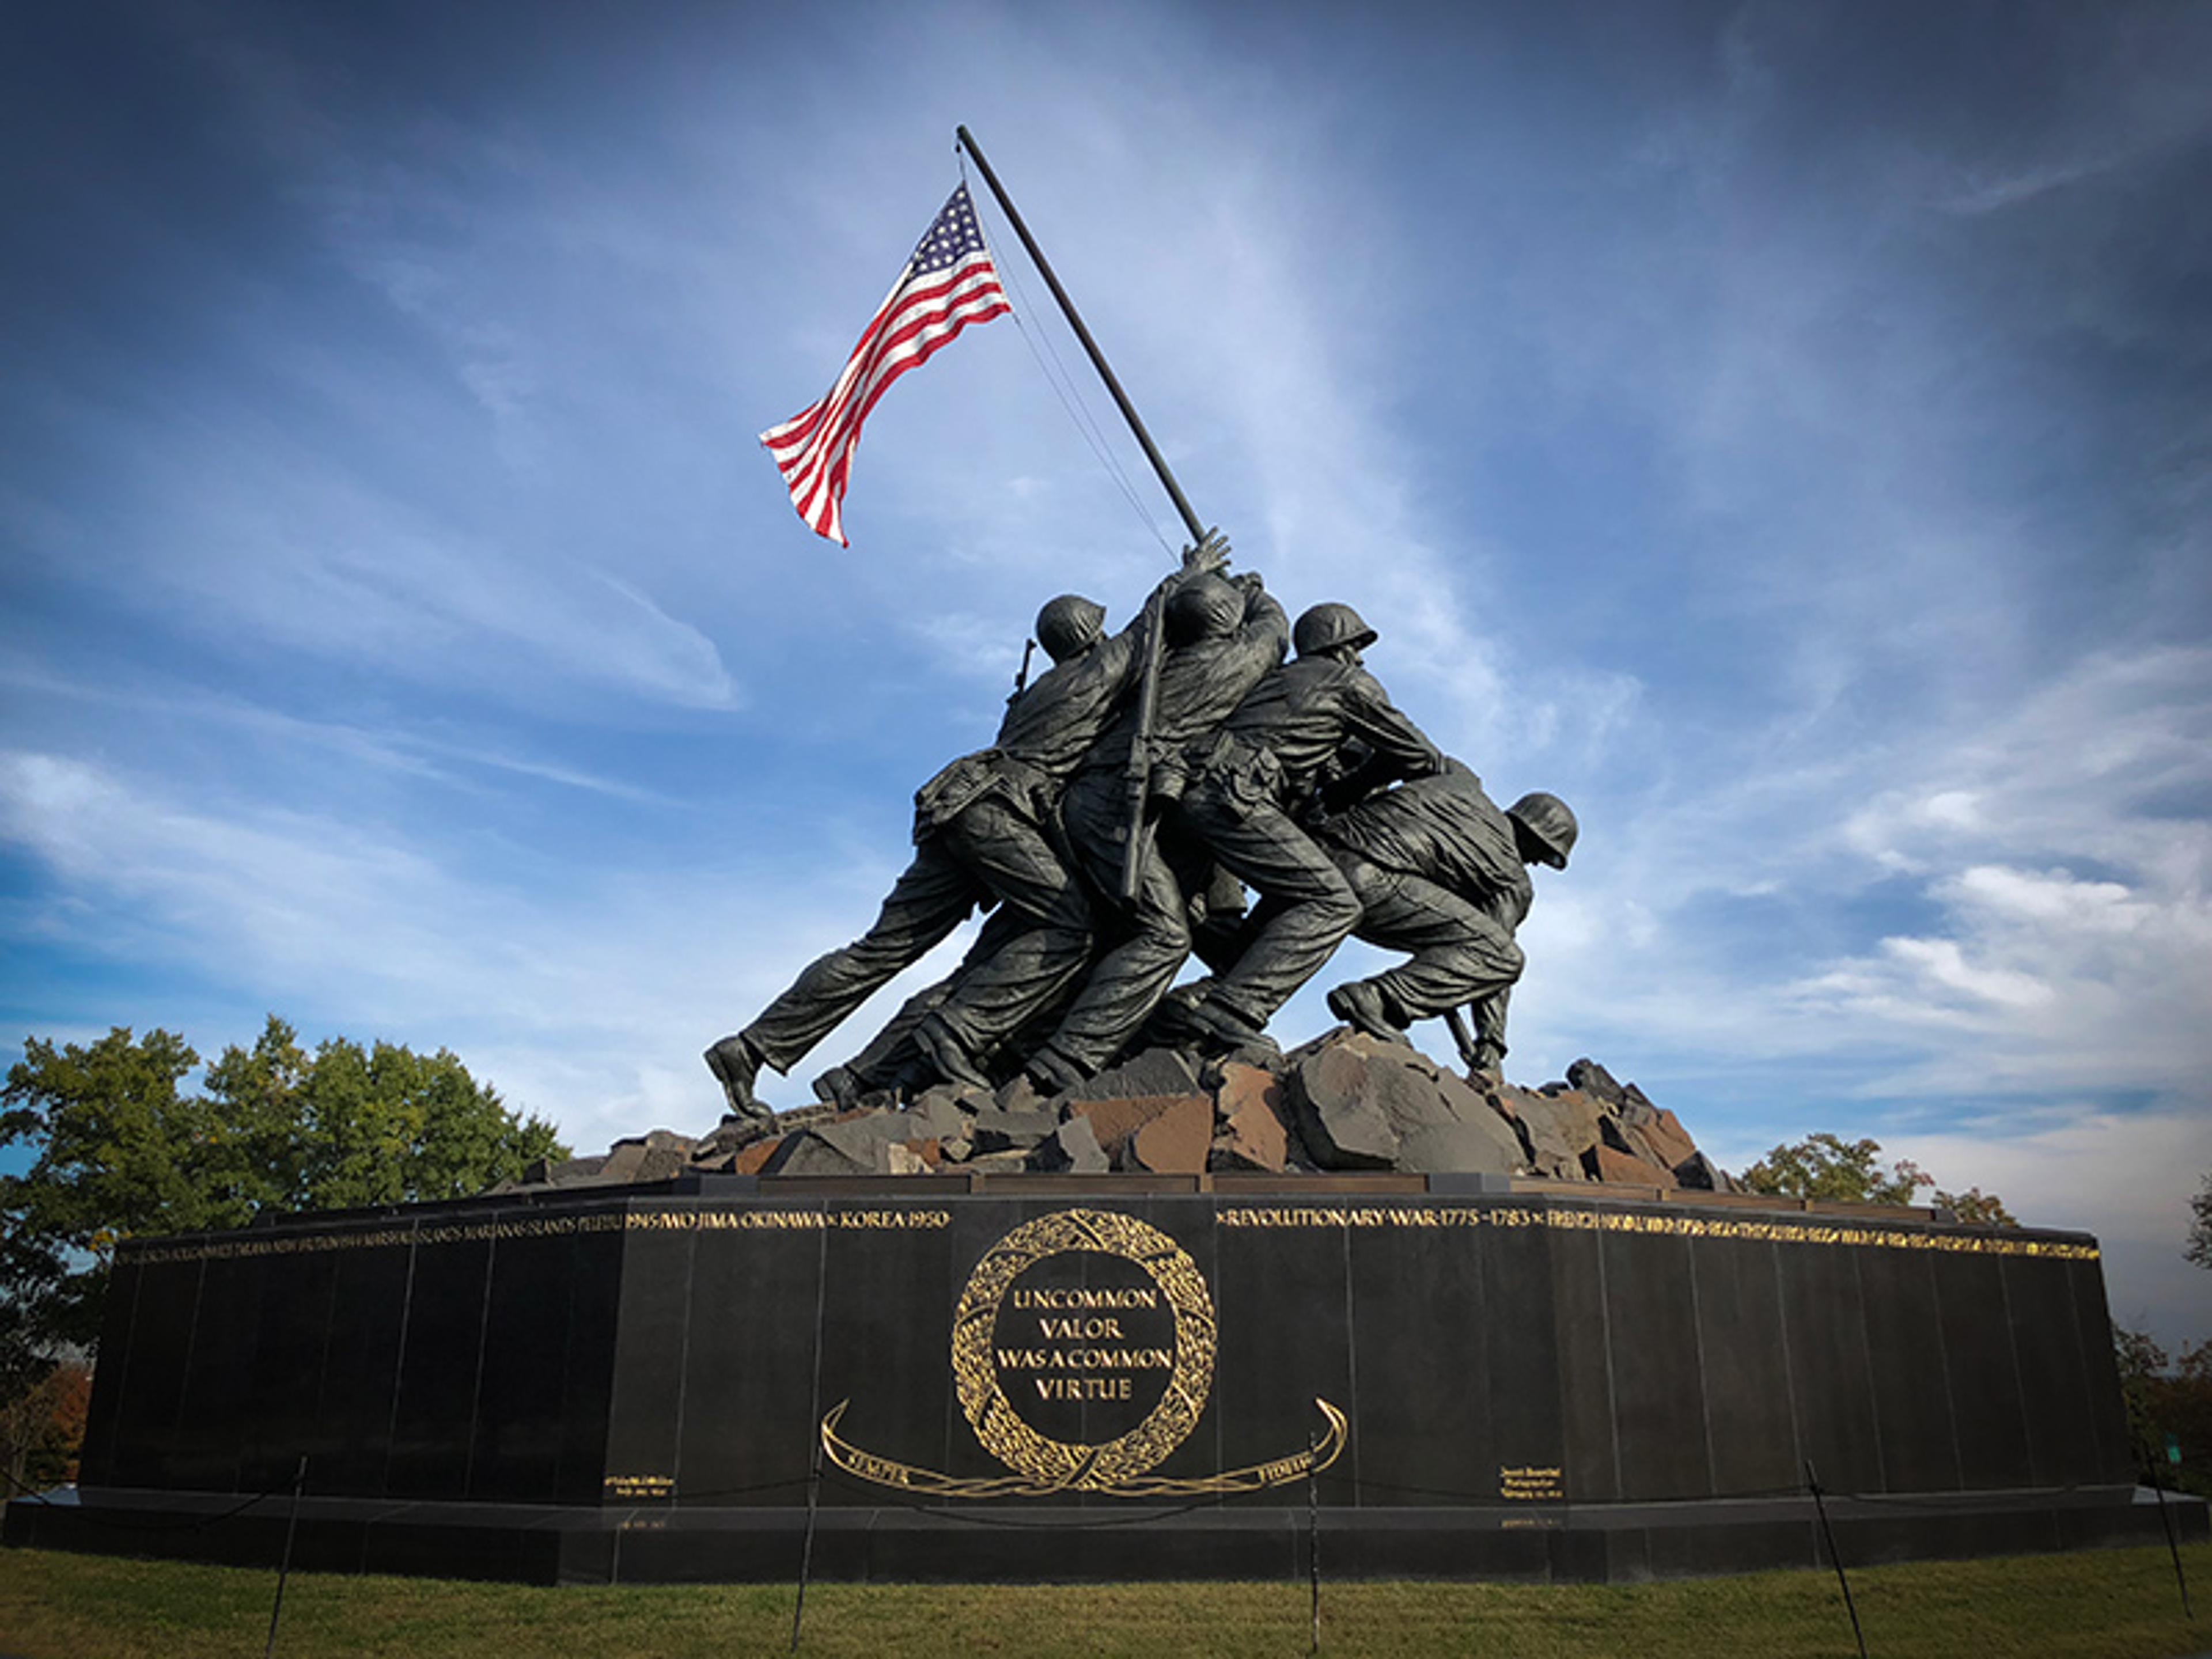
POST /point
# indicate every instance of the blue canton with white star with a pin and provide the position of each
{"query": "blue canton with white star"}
(951, 237)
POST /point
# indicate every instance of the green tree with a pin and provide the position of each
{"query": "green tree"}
(1976, 1207)
(123, 1150)
(349, 1127)
(2165, 1398)
(1826, 1166)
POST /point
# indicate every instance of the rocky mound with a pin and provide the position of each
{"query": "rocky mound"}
(1345, 1102)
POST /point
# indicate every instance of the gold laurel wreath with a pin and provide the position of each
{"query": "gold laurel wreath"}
(1121, 1466)
(1054, 1465)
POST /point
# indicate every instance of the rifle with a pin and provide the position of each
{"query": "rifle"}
(1139, 775)
(1469, 1050)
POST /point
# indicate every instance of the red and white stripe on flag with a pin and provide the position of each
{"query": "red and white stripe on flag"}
(949, 283)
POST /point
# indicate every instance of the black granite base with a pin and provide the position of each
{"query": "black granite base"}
(1613, 1543)
(1496, 1379)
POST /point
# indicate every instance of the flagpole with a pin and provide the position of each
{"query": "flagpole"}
(1075, 321)
(1148, 678)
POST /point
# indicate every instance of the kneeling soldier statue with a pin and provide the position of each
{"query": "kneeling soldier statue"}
(1441, 873)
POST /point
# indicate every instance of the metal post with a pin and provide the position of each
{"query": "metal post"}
(1074, 321)
(284, 1566)
(806, 1550)
(1812, 1485)
(814, 1466)
(1313, 1536)
(2173, 1547)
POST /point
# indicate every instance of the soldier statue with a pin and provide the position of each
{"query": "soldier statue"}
(979, 838)
(1265, 760)
(1222, 635)
(1441, 873)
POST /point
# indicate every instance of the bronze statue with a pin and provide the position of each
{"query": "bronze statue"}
(1265, 760)
(1222, 636)
(1441, 873)
(980, 836)
(1133, 791)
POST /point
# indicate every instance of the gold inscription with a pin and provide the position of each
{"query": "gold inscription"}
(684, 1221)
(1096, 1361)
(1082, 1387)
(1133, 1297)
(1530, 1483)
(1101, 1370)
(558, 1226)
(1672, 1226)
(1086, 1359)
(640, 1485)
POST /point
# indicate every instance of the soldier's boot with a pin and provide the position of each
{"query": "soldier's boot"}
(840, 1086)
(1360, 1004)
(1487, 1062)
(735, 1063)
(1054, 1072)
(1170, 1026)
(948, 1056)
(1221, 1028)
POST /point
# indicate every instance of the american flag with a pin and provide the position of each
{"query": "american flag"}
(947, 284)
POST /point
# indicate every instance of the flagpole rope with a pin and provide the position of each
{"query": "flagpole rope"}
(1063, 384)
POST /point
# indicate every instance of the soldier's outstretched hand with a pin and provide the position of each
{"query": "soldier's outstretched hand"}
(1211, 553)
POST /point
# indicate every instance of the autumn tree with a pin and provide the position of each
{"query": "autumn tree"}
(42, 1425)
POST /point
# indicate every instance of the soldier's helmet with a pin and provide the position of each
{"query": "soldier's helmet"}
(1070, 625)
(1549, 823)
(1203, 608)
(1330, 625)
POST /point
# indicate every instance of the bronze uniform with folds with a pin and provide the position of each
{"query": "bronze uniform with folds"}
(1223, 637)
(1294, 722)
(978, 839)
(1442, 873)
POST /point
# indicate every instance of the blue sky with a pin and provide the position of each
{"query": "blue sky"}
(1785, 432)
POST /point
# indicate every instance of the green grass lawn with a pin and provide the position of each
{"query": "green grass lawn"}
(2108, 1602)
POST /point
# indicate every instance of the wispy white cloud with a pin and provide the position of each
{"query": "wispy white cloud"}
(451, 758)
(591, 1010)
(2057, 853)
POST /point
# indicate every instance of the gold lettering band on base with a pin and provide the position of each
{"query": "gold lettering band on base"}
(1671, 1226)
(928, 1483)
(554, 1226)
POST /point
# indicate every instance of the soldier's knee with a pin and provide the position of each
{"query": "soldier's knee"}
(1341, 909)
